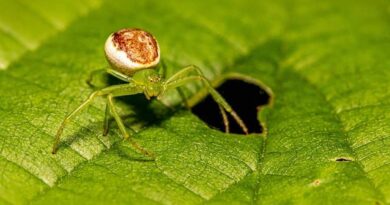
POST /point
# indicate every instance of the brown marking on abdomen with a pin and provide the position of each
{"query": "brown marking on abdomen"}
(140, 46)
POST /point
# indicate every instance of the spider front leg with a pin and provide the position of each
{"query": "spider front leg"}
(163, 73)
(67, 119)
(185, 73)
(183, 77)
(115, 90)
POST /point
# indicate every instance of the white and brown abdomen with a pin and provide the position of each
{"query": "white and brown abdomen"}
(130, 50)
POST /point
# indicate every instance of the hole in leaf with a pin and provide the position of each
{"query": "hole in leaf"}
(316, 182)
(245, 98)
(343, 159)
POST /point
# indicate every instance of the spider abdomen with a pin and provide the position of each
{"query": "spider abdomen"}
(130, 50)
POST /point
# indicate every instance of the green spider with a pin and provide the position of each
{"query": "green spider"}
(133, 55)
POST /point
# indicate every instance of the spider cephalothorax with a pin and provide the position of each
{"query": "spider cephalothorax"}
(134, 55)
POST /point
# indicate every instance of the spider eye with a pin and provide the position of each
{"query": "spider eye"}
(129, 50)
(154, 78)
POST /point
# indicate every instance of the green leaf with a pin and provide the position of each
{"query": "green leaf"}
(328, 128)
(24, 31)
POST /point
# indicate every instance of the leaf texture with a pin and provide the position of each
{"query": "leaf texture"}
(328, 128)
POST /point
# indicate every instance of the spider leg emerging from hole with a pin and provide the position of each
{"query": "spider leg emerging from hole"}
(110, 92)
(225, 119)
(184, 76)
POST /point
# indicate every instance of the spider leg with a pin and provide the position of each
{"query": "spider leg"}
(106, 70)
(122, 127)
(162, 69)
(225, 119)
(92, 74)
(181, 79)
(163, 73)
(66, 120)
(184, 73)
(115, 90)
(119, 75)
(183, 97)
(106, 121)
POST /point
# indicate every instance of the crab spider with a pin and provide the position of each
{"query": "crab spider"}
(133, 55)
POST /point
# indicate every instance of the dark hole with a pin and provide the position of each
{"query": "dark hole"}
(343, 160)
(245, 98)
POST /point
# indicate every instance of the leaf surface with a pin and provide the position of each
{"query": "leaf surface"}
(327, 140)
